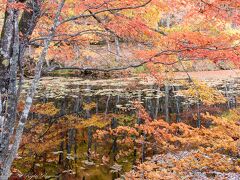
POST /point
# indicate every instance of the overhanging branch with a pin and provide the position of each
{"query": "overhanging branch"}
(50, 69)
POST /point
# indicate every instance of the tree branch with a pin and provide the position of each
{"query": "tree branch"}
(107, 69)
(104, 10)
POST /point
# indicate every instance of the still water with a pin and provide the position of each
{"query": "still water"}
(63, 144)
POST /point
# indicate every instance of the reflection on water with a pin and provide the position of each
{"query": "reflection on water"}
(66, 147)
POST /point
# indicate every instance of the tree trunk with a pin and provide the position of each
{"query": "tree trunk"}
(107, 104)
(6, 165)
(6, 43)
(9, 123)
(89, 145)
(117, 49)
(114, 124)
(12, 52)
(167, 102)
(157, 103)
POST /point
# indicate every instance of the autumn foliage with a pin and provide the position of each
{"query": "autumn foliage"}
(171, 150)
(196, 29)
(91, 35)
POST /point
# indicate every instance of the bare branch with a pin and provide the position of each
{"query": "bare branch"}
(104, 10)
(110, 69)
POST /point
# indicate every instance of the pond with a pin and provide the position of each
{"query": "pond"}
(68, 112)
